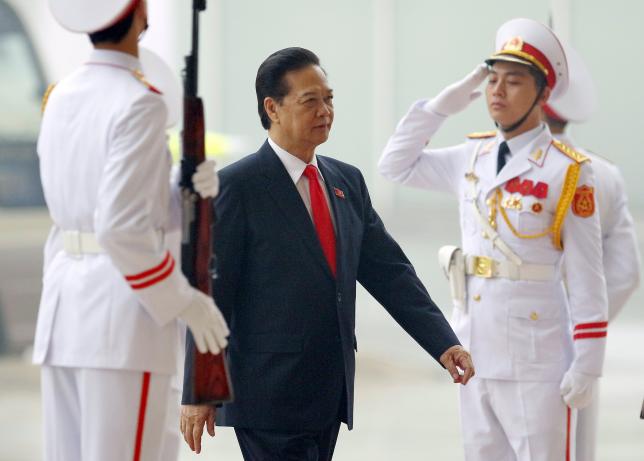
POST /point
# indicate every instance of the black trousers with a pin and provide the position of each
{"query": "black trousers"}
(260, 445)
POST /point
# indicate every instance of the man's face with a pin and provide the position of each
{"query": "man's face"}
(305, 115)
(511, 91)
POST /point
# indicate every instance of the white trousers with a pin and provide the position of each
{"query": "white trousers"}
(103, 415)
(515, 421)
(587, 429)
(172, 437)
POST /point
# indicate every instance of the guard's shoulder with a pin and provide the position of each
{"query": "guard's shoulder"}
(482, 134)
(141, 78)
(594, 155)
(569, 152)
(45, 97)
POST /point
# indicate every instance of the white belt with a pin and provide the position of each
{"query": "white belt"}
(77, 243)
(482, 266)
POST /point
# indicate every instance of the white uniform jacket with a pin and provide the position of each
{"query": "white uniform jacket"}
(515, 329)
(105, 170)
(619, 240)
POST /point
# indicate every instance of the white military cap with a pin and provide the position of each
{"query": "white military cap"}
(529, 42)
(579, 102)
(159, 74)
(88, 16)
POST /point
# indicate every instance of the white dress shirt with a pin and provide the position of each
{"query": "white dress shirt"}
(519, 142)
(295, 169)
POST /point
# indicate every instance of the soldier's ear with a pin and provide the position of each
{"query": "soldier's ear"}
(545, 95)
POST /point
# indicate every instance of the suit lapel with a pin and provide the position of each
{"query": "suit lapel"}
(280, 187)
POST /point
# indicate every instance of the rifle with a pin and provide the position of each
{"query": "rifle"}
(206, 374)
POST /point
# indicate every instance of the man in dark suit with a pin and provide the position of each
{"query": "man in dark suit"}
(294, 233)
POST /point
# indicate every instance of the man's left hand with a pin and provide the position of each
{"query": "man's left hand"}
(457, 359)
(193, 419)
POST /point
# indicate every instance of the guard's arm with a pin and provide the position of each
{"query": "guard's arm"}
(621, 252)
(404, 159)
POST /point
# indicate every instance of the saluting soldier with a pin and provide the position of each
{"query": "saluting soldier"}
(619, 241)
(528, 215)
(108, 333)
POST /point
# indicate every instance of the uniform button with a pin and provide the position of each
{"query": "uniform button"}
(534, 316)
(476, 297)
(484, 235)
(339, 297)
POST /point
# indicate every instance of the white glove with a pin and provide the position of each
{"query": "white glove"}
(206, 323)
(206, 180)
(459, 95)
(577, 389)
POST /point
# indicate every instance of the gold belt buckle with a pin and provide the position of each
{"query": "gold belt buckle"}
(483, 266)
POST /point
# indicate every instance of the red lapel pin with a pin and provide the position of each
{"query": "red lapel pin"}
(338, 192)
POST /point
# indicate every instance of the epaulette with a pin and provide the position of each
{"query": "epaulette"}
(482, 135)
(45, 97)
(141, 78)
(570, 152)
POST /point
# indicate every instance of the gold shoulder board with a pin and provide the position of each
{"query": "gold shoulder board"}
(570, 152)
(482, 134)
(45, 97)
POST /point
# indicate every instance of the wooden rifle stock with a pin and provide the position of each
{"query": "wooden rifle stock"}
(210, 380)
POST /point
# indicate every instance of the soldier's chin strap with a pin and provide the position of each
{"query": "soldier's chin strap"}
(517, 124)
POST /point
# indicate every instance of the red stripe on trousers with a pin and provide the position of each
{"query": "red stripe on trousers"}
(568, 424)
(587, 326)
(157, 279)
(145, 388)
(594, 334)
(148, 272)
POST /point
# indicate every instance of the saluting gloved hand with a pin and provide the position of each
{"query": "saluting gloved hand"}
(577, 389)
(459, 95)
(206, 180)
(206, 323)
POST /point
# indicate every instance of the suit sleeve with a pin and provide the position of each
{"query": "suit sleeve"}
(621, 253)
(582, 248)
(132, 180)
(390, 278)
(405, 160)
(228, 244)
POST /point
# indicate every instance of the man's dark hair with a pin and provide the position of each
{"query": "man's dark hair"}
(539, 78)
(115, 32)
(270, 81)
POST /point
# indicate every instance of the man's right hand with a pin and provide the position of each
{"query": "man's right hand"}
(577, 389)
(459, 95)
(193, 418)
(456, 359)
(206, 323)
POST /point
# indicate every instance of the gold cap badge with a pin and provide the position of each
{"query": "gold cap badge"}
(514, 44)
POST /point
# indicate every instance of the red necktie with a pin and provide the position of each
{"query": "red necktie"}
(321, 217)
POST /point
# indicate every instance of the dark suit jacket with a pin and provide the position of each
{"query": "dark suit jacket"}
(291, 347)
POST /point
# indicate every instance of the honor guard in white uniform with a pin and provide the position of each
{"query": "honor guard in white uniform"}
(619, 241)
(166, 81)
(113, 293)
(528, 216)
